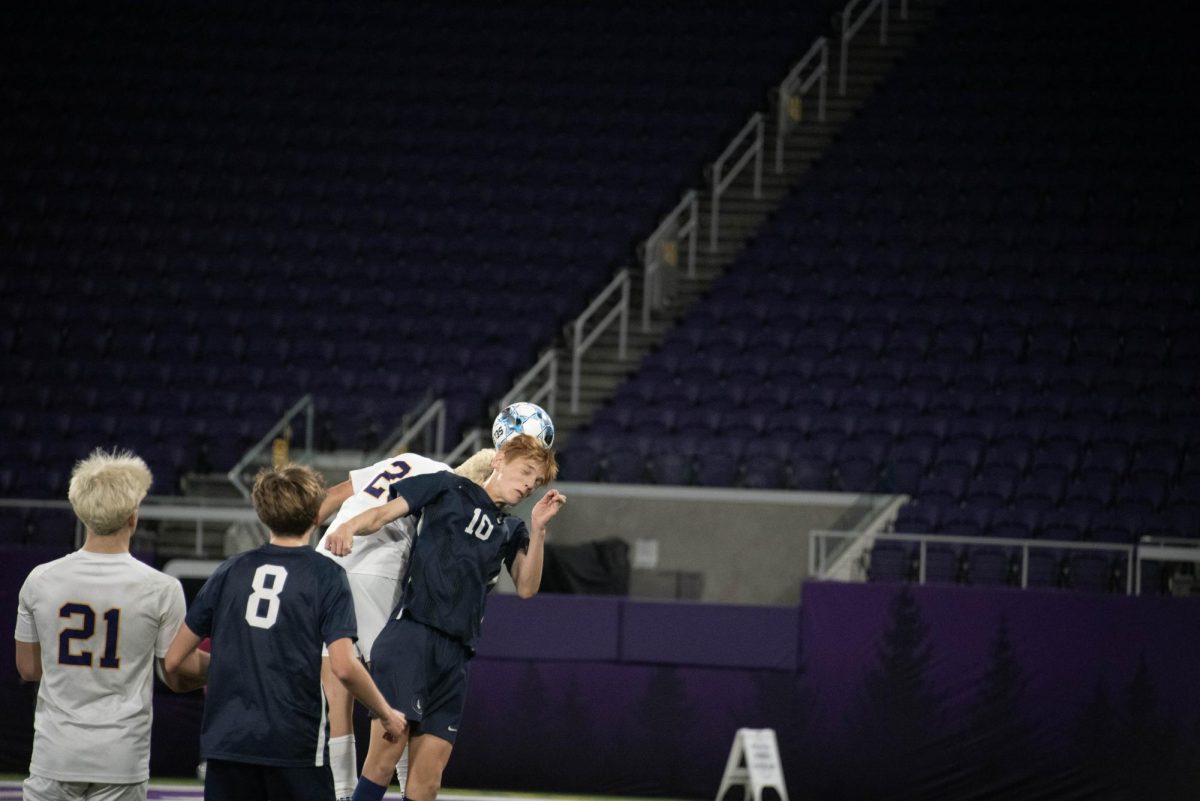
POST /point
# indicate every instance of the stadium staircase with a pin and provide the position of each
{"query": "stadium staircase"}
(741, 213)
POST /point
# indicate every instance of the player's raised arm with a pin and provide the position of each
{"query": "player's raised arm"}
(341, 540)
(334, 498)
(527, 566)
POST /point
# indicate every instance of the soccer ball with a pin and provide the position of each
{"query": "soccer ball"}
(523, 418)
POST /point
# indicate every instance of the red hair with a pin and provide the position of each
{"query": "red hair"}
(523, 446)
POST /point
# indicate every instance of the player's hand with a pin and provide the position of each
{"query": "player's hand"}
(340, 541)
(547, 507)
(395, 726)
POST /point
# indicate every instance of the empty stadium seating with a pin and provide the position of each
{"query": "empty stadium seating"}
(983, 296)
(209, 211)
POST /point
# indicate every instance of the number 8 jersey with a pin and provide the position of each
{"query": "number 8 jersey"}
(101, 621)
(268, 612)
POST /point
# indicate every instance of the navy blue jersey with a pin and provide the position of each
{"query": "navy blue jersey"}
(462, 540)
(268, 612)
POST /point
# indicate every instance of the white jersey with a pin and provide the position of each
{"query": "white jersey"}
(384, 553)
(101, 620)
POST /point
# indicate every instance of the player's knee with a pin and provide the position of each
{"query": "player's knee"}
(426, 787)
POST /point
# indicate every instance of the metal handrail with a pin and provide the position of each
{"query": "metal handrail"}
(792, 90)
(431, 419)
(305, 404)
(662, 249)
(472, 441)
(581, 343)
(722, 180)
(1164, 549)
(545, 394)
(850, 28)
(818, 554)
(163, 508)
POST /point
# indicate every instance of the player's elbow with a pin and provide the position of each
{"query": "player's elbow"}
(29, 672)
(526, 593)
(342, 666)
(342, 671)
(170, 674)
(174, 681)
(29, 662)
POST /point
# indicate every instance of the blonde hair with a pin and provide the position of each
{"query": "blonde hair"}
(477, 467)
(288, 498)
(523, 446)
(106, 489)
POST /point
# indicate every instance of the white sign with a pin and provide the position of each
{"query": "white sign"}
(645, 554)
(754, 764)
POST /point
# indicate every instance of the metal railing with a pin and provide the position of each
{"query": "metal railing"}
(252, 456)
(472, 441)
(528, 388)
(618, 313)
(428, 422)
(793, 90)
(1165, 549)
(155, 508)
(722, 179)
(820, 558)
(867, 516)
(851, 26)
(541, 384)
(660, 252)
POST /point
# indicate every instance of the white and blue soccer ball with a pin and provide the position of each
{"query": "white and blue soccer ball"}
(523, 418)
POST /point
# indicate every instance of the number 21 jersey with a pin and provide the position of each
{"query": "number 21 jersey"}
(101, 621)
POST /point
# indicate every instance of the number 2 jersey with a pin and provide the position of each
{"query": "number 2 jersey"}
(384, 553)
(101, 620)
(268, 612)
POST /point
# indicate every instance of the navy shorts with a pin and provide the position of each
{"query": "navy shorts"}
(422, 672)
(241, 781)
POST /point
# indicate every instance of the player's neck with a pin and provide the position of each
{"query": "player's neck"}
(109, 543)
(290, 542)
(492, 487)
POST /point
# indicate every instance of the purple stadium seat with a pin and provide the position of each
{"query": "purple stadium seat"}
(916, 518)
(579, 463)
(944, 564)
(671, 467)
(991, 565)
(945, 485)
(965, 521)
(623, 466)
(890, 561)
(764, 471)
(810, 471)
(1043, 489)
(1092, 571)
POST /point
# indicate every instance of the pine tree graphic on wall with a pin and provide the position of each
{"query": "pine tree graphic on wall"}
(897, 731)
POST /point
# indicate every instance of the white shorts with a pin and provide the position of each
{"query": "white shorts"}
(374, 599)
(37, 788)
